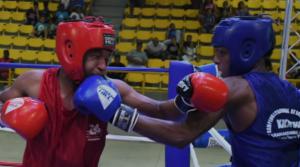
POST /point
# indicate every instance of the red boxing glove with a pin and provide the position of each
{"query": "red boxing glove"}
(25, 115)
(209, 92)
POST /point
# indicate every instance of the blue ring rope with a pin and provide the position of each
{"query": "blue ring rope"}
(24, 65)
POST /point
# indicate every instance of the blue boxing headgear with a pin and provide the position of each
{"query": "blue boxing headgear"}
(247, 39)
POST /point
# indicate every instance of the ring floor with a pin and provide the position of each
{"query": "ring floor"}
(119, 153)
(123, 153)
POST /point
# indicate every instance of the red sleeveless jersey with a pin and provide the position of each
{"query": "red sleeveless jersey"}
(70, 139)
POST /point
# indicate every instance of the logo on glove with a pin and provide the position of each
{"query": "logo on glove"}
(106, 95)
(14, 104)
(183, 86)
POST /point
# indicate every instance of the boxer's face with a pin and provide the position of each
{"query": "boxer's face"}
(95, 62)
(222, 60)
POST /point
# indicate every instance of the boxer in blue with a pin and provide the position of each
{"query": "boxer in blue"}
(262, 111)
(264, 121)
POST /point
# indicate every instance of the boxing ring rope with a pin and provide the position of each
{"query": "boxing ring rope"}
(213, 132)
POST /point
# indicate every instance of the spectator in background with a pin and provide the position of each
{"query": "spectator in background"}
(51, 29)
(189, 49)
(197, 4)
(155, 49)
(76, 13)
(65, 3)
(209, 4)
(117, 63)
(61, 14)
(4, 73)
(173, 49)
(293, 73)
(277, 21)
(137, 57)
(171, 31)
(133, 4)
(32, 15)
(46, 4)
(40, 29)
(208, 20)
(46, 11)
(242, 9)
(76, 3)
(225, 10)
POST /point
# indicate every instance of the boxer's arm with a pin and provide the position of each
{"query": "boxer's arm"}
(206, 91)
(16, 90)
(21, 87)
(181, 133)
(148, 106)
(177, 134)
(27, 84)
(7, 94)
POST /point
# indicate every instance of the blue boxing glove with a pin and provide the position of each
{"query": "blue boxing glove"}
(98, 96)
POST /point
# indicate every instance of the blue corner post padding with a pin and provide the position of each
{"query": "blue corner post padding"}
(208, 68)
(175, 157)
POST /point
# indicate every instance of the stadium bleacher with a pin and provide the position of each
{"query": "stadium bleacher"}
(155, 17)
(149, 21)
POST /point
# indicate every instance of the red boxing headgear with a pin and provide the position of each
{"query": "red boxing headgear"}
(75, 38)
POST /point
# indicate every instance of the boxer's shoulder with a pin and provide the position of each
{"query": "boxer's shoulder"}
(122, 86)
(239, 90)
(30, 77)
(29, 82)
(236, 83)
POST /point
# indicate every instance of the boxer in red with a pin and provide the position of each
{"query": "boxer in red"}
(68, 134)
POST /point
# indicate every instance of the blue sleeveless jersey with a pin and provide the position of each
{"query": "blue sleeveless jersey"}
(273, 138)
